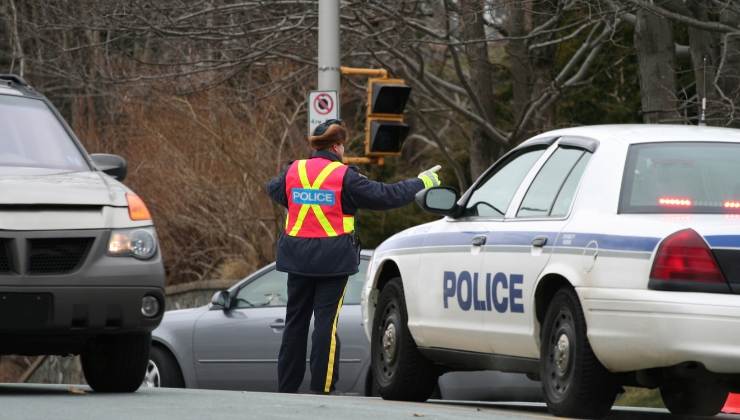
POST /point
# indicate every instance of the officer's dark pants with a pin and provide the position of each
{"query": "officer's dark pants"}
(323, 297)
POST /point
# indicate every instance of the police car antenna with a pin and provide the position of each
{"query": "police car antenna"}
(703, 117)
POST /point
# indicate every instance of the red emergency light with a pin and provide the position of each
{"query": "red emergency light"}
(675, 202)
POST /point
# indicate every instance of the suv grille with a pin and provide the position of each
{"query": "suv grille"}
(57, 255)
(4, 256)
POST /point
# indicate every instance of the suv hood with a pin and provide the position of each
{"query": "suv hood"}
(33, 186)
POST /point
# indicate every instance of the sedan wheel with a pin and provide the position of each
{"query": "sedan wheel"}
(400, 370)
(574, 382)
(151, 377)
(163, 370)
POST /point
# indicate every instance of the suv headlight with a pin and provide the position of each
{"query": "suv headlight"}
(139, 243)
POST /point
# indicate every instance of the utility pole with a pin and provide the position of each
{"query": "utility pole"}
(329, 47)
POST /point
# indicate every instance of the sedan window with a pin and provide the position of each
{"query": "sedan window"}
(492, 197)
(32, 136)
(271, 289)
(550, 183)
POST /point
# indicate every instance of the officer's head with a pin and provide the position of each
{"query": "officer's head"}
(330, 135)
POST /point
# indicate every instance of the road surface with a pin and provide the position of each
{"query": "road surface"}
(31, 402)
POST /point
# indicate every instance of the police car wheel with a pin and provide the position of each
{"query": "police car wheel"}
(691, 398)
(400, 370)
(575, 383)
(116, 363)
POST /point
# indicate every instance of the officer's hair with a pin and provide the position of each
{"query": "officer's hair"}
(335, 134)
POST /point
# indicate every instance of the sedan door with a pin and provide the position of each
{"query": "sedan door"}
(451, 271)
(519, 248)
(237, 348)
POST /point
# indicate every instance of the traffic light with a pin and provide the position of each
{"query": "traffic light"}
(385, 129)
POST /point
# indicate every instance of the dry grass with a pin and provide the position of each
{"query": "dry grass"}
(200, 163)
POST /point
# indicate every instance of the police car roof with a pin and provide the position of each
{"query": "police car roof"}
(641, 133)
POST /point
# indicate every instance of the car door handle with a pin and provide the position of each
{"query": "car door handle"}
(479, 240)
(539, 241)
(279, 324)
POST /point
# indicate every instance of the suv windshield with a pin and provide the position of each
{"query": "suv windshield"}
(682, 178)
(32, 136)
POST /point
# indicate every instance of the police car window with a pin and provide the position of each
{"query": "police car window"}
(270, 289)
(492, 197)
(568, 191)
(686, 177)
(547, 184)
(32, 136)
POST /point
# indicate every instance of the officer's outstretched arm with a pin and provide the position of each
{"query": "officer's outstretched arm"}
(374, 195)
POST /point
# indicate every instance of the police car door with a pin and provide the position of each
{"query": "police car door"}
(454, 257)
(518, 249)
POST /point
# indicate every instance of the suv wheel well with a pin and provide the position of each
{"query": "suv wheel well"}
(549, 285)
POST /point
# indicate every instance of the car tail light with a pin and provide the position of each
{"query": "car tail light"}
(136, 208)
(685, 257)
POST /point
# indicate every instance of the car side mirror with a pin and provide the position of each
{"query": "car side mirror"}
(221, 300)
(438, 200)
(112, 165)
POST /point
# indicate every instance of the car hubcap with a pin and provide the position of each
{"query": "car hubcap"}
(389, 342)
(559, 366)
(562, 354)
(152, 378)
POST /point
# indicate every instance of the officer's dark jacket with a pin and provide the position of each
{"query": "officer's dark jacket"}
(337, 255)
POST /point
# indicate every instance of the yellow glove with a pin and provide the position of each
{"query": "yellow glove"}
(430, 177)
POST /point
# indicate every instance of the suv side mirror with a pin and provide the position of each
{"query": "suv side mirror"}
(112, 165)
(221, 300)
(438, 200)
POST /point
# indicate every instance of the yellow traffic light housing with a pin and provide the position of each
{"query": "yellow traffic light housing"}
(385, 128)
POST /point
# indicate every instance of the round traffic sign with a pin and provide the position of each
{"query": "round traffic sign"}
(323, 103)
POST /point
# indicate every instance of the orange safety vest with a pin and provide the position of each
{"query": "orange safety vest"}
(314, 191)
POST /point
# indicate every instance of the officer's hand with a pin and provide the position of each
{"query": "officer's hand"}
(430, 177)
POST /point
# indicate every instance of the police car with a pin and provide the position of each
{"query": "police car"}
(591, 257)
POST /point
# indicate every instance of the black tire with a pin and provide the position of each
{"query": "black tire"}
(116, 363)
(400, 370)
(169, 373)
(577, 384)
(691, 398)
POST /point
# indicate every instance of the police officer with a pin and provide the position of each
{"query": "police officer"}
(319, 249)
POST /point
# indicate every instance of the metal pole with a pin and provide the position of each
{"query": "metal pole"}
(329, 46)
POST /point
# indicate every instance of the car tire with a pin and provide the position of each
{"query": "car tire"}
(574, 382)
(162, 370)
(400, 370)
(692, 398)
(116, 363)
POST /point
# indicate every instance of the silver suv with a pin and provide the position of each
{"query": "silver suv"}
(80, 268)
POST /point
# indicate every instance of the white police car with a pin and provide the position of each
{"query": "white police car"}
(590, 257)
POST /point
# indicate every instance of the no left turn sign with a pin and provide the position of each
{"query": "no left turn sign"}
(322, 106)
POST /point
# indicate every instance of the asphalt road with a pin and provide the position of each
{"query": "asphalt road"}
(30, 402)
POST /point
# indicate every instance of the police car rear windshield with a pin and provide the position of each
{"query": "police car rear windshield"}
(32, 136)
(692, 177)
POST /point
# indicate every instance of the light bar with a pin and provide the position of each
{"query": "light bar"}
(675, 202)
(731, 204)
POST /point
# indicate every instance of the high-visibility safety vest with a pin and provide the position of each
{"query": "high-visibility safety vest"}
(314, 191)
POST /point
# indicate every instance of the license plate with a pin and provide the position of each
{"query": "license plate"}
(25, 310)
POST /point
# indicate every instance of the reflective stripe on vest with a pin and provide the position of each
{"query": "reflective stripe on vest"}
(307, 198)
